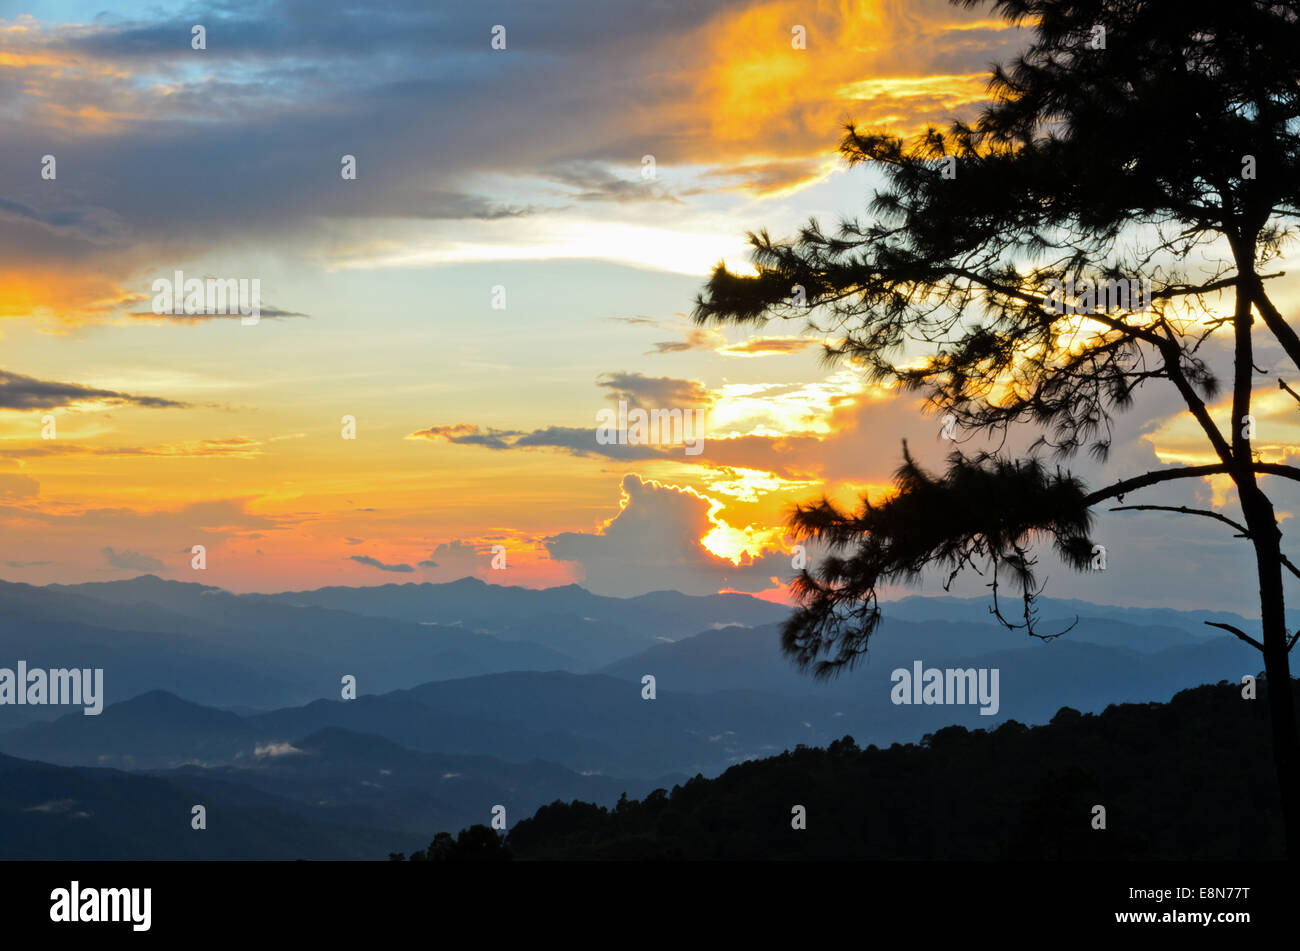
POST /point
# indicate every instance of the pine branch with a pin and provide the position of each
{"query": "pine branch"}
(1242, 634)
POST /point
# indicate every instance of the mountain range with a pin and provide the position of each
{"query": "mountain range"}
(473, 695)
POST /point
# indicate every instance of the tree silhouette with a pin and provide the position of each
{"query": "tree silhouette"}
(1004, 273)
(1015, 792)
(478, 843)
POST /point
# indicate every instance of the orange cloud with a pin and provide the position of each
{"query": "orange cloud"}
(761, 98)
(1179, 439)
(766, 346)
(66, 294)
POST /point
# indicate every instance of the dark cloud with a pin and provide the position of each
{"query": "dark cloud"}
(415, 93)
(25, 392)
(582, 442)
(313, 87)
(671, 346)
(575, 441)
(376, 563)
(637, 320)
(595, 182)
(697, 338)
(263, 313)
(640, 390)
(460, 206)
(87, 224)
(467, 434)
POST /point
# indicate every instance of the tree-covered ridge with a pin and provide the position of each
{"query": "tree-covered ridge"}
(1186, 779)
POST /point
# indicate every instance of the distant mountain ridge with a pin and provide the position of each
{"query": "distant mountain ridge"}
(448, 717)
(570, 619)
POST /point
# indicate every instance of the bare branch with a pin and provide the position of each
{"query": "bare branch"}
(1276, 323)
(1028, 595)
(1184, 510)
(1243, 532)
(1242, 634)
(1120, 489)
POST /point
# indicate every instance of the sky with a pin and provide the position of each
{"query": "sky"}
(519, 249)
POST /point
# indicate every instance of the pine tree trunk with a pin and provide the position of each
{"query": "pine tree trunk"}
(1281, 699)
(1267, 540)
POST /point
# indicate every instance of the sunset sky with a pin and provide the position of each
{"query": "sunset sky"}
(477, 168)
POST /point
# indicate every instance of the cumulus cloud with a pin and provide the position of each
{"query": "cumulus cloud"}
(654, 543)
(456, 559)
